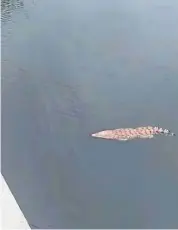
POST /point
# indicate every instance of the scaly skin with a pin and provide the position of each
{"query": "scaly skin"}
(130, 133)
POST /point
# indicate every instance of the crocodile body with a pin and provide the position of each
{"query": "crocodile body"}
(132, 133)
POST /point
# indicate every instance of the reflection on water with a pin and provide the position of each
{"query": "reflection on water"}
(70, 68)
(8, 6)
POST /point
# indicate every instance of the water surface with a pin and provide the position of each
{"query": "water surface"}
(71, 68)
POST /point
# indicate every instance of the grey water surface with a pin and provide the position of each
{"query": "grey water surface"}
(71, 68)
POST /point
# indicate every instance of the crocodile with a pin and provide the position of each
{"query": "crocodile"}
(132, 133)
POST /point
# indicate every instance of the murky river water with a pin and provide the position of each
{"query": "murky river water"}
(70, 68)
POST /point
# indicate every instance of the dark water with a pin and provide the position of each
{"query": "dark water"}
(70, 68)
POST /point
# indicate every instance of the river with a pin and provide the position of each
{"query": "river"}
(72, 68)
